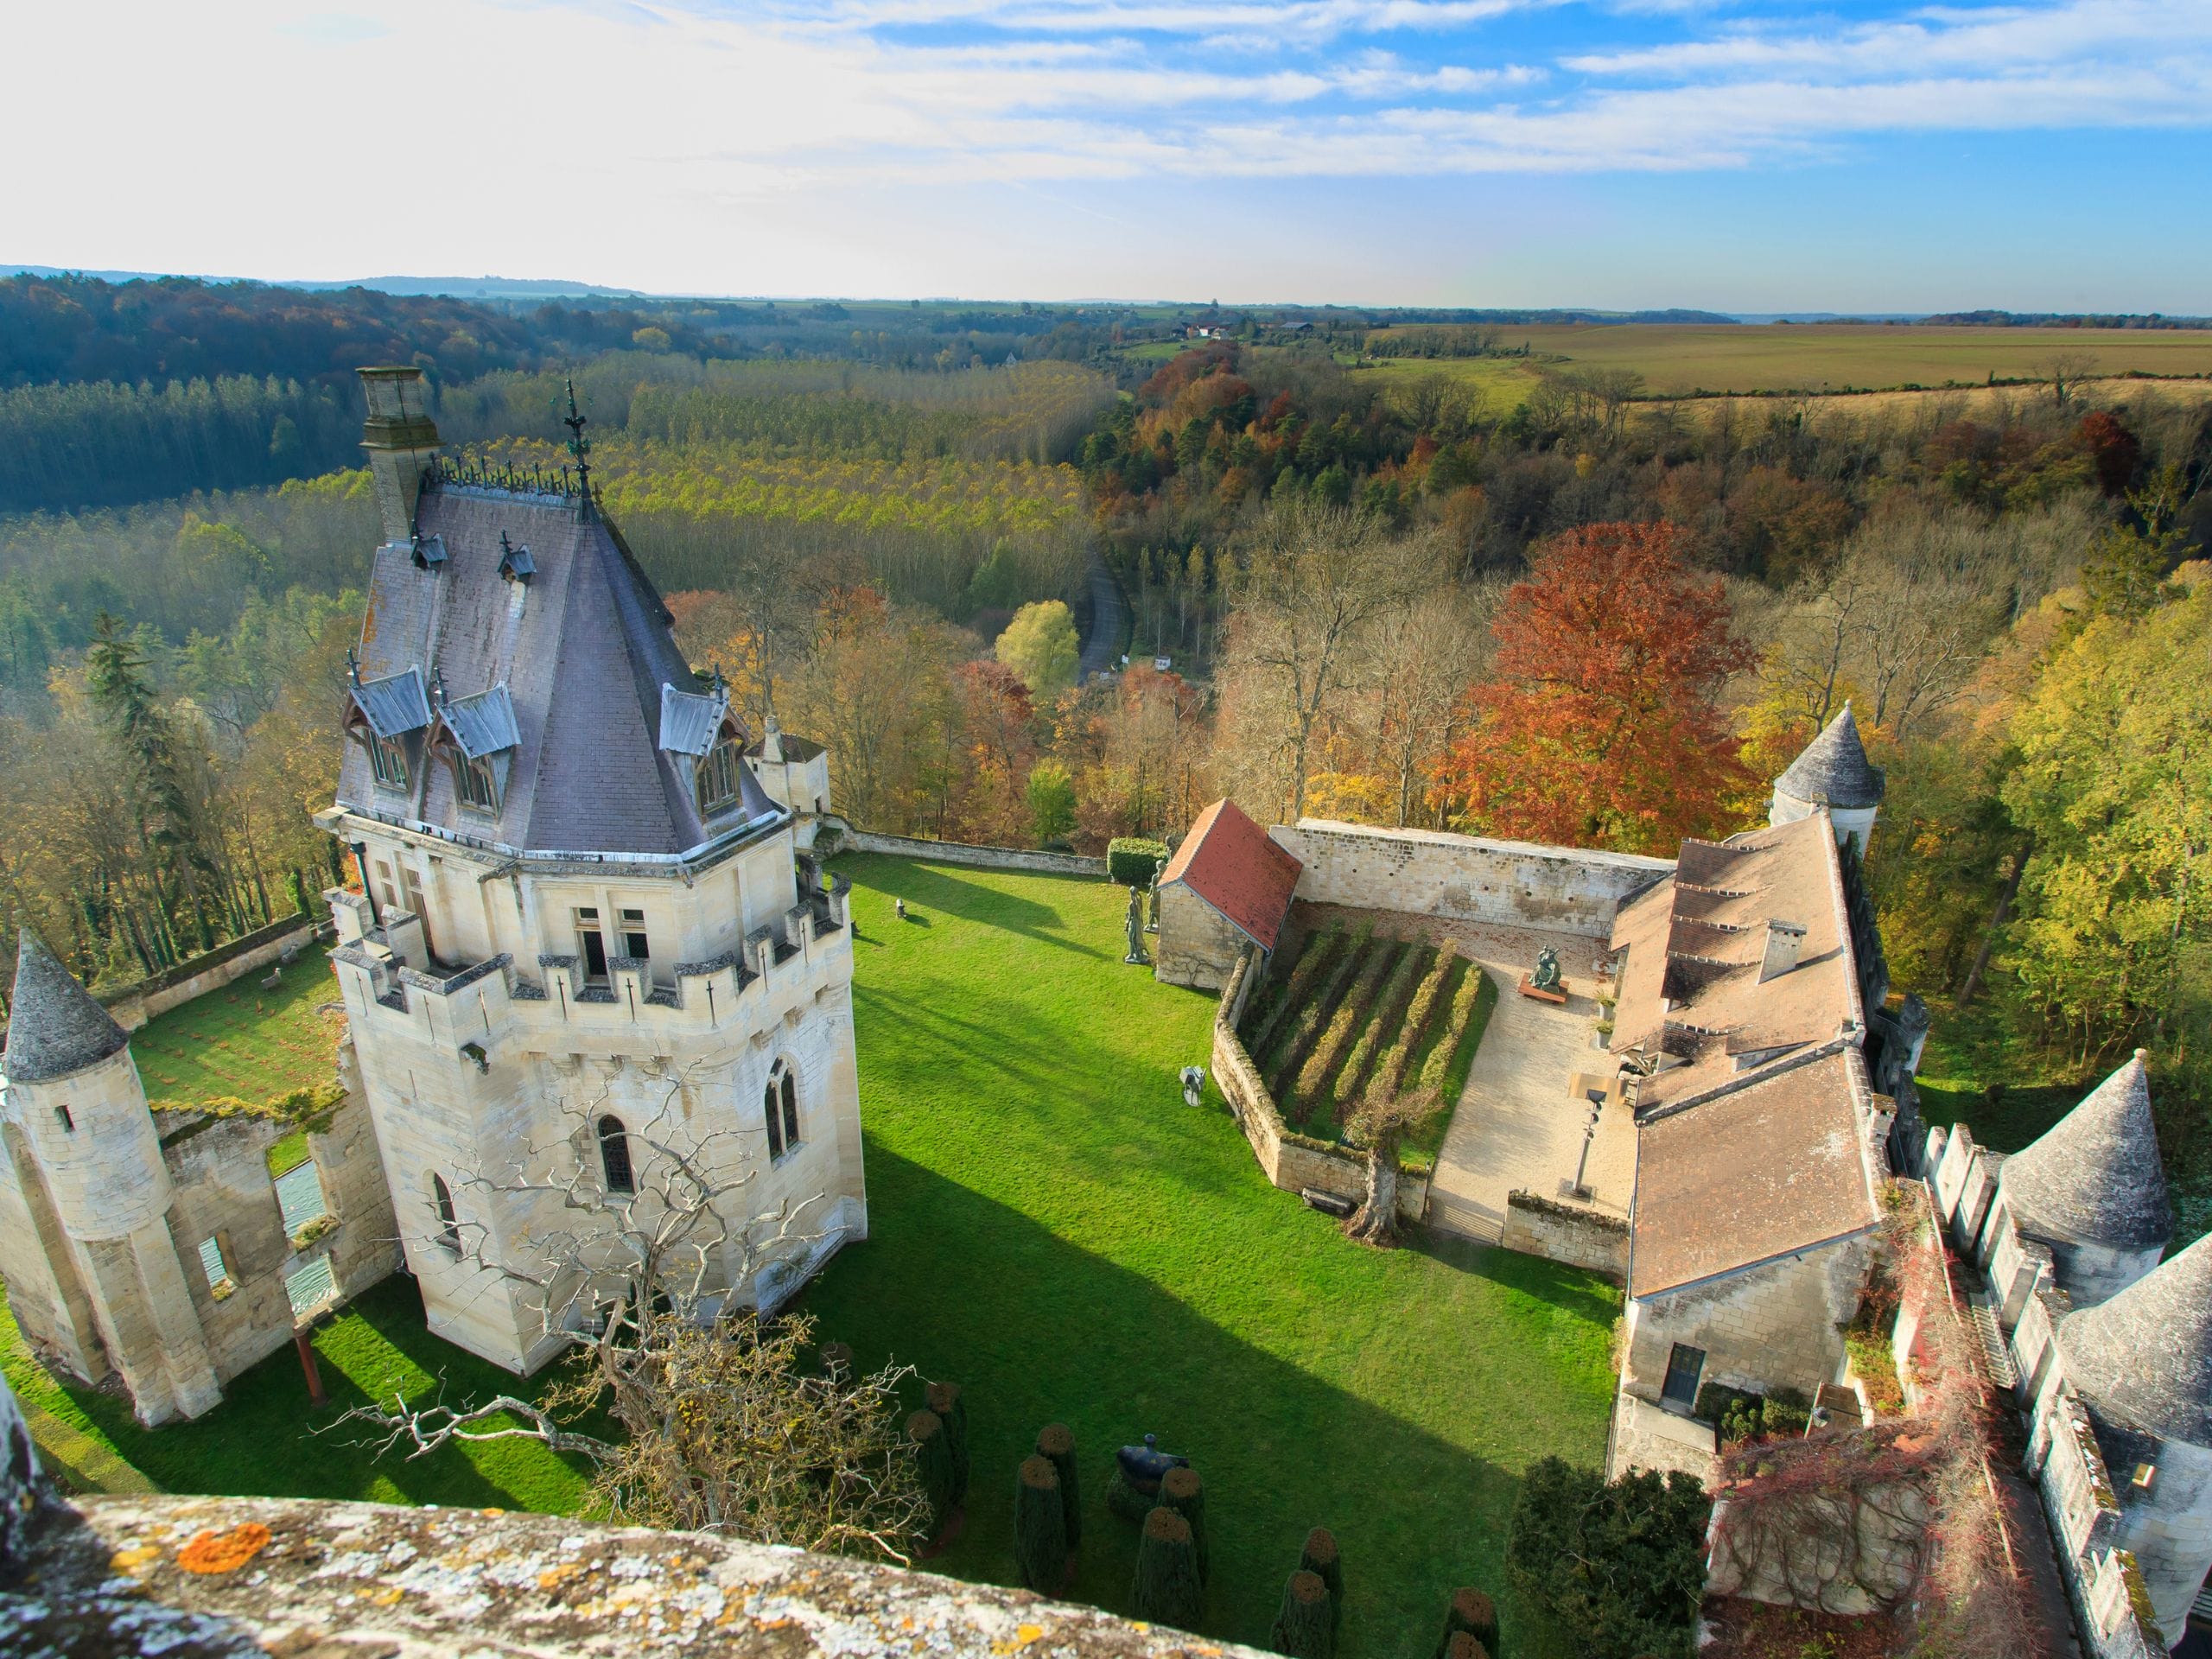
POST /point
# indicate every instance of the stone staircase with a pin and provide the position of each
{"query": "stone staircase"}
(1449, 1214)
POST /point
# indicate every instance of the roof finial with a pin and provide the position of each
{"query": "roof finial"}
(579, 446)
(438, 687)
(352, 666)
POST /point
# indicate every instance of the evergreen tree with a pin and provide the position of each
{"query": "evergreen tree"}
(1320, 1558)
(934, 1455)
(1168, 1589)
(1181, 1490)
(1307, 1626)
(944, 1398)
(1040, 1532)
(1055, 1442)
(1472, 1613)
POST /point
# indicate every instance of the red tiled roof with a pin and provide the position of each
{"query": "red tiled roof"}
(1229, 861)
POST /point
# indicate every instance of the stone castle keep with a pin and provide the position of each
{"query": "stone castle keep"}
(586, 947)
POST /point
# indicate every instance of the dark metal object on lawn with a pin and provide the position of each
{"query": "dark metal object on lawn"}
(1145, 1467)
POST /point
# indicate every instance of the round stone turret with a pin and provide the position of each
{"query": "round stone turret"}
(75, 1090)
(2093, 1189)
(1832, 775)
(2143, 1359)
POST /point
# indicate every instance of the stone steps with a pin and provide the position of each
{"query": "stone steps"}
(1450, 1215)
(1997, 1357)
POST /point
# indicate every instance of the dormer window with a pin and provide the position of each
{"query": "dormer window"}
(716, 778)
(515, 562)
(474, 782)
(388, 759)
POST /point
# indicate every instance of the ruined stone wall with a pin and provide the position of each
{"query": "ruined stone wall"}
(1466, 878)
(134, 1004)
(1773, 1325)
(1572, 1233)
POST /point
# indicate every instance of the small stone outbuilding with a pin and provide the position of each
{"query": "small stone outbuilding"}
(1227, 886)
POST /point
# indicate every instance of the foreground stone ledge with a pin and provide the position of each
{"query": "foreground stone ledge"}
(103, 1576)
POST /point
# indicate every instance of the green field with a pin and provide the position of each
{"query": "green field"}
(1054, 1229)
(1835, 357)
(243, 1042)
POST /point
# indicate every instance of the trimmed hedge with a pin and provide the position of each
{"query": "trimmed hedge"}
(944, 1398)
(1056, 1444)
(1389, 1009)
(1167, 1589)
(934, 1455)
(1325, 1561)
(1313, 956)
(1041, 1527)
(1438, 1066)
(1181, 1490)
(1346, 1022)
(1428, 996)
(1130, 859)
(1312, 1018)
(1473, 1614)
(1307, 1626)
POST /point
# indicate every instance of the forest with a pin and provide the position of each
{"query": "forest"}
(1591, 615)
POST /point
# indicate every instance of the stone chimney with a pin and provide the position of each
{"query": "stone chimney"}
(1784, 941)
(401, 442)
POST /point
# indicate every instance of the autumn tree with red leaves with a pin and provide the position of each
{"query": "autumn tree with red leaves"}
(1602, 725)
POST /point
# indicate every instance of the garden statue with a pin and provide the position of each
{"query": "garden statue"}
(1546, 978)
(1134, 923)
(1145, 1467)
(1159, 869)
(1194, 1083)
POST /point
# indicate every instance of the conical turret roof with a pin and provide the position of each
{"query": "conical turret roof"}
(1833, 769)
(2145, 1358)
(53, 1026)
(2094, 1178)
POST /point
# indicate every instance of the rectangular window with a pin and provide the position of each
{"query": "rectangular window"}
(591, 947)
(388, 760)
(299, 1198)
(68, 1123)
(312, 1287)
(211, 1263)
(1684, 1366)
(384, 883)
(478, 786)
(634, 943)
(415, 905)
(716, 778)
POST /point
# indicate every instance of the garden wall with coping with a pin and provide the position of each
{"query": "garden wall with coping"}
(1466, 878)
(961, 852)
(1292, 1162)
(1579, 1237)
(134, 1004)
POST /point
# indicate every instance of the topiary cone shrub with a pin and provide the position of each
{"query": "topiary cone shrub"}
(1307, 1626)
(1181, 1490)
(934, 1460)
(1472, 1613)
(1461, 1645)
(1321, 1559)
(1040, 1532)
(1167, 1590)
(944, 1398)
(1055, 1442)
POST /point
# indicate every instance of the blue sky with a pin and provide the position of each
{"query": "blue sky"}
(1753, 157)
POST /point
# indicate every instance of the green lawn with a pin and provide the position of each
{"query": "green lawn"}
(1054, 1229)
(1056, 1232)
(1970, 1054)
(243, 1042)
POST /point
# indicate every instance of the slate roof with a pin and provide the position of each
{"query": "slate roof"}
(1833, 769)
(1690, 985)
(583, 651)
(54, 1027)
(1231, 863)
(2095, 1177)
(485, 723)
(2145, 1358)
(1775, 1166)
(394, 704)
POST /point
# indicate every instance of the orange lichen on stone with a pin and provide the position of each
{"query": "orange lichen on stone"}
(224, 1552)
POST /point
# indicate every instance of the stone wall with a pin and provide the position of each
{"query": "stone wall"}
(960, 852)
(1198, 945)
(1466, 878)
(2130, 1566)
(134, 1005)
(1777, 1325)
(1572, 1233)
(1295, 1162)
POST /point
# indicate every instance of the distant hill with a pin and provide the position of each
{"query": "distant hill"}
(458, 287)
(2064, 320)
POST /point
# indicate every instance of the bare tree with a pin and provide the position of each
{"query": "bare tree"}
(1378, 1125)
(1315, 579)
(1425, 653)
(2065, 372)
(723, 1431)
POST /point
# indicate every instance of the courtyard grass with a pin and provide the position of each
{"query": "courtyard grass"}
(1054, 1229)
(242, 1042)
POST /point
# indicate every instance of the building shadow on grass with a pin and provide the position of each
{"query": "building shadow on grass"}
(933, 887)
(1038, 1330)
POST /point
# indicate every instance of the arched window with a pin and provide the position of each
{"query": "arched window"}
(614, 1155)
(780, 1106)
(449, 1224)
